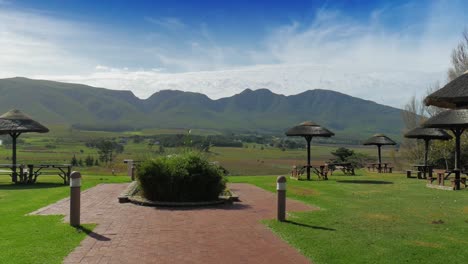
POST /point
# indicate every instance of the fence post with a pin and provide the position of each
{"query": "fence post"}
(75, 193)
(281, 189)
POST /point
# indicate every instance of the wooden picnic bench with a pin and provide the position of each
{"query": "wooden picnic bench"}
(320, 170)
(384, 167)
(346, 167)
(21, 173)
(442, 176)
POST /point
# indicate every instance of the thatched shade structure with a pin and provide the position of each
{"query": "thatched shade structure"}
(308, 130)
(457, 122)
(427, 134)
(14, 123)
(379, 140)
(453, 95)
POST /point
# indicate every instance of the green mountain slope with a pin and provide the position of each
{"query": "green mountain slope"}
(260, 110)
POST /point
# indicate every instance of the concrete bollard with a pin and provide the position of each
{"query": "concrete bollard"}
(129, 163)
(75, 197)
(281, 189)
(133, 171)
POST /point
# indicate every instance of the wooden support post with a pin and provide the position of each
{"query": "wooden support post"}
(408, 174)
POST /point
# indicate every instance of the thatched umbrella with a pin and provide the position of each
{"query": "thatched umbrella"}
(379, 140)
(308, 130)
(14, 123)
(427, 134)
(453, 95)
(457, 122)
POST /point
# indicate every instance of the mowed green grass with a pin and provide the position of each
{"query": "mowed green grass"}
(373, 218)
(38, 239)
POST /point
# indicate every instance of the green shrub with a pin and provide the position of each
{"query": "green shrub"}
(187, 177)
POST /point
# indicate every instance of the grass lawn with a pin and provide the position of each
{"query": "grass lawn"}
(38, 239)
(374, 218)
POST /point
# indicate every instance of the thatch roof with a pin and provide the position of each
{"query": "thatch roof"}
(449, 119)
(14, 121)
(309, 128)
(428, 133)
(453, 95)
(379, 139)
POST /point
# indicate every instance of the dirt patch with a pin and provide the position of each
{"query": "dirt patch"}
(426, 244)
(465, 209)
(437, 222)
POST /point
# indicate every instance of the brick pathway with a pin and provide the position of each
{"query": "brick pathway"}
(127, 233)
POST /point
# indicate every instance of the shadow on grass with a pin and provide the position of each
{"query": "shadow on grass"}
(92, 234)
(310, 226)
(364, 181)
(37, 185)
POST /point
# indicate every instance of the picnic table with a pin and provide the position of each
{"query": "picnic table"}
(426, 170)
(320, 170)
(383, 167)
(443, 175)
(346, 167)
(29, 173)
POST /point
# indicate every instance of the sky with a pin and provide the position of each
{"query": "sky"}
(385, 51)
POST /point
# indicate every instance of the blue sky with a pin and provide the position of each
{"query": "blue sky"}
(222, 47)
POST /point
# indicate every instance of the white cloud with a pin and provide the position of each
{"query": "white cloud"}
(390, 88)
(33, 44)
(333, 39)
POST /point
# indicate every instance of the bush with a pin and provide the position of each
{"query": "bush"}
(181, 178)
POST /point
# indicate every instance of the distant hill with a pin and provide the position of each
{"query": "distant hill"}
(260, 110)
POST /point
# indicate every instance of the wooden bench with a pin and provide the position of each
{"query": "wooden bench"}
(441, 177)
(409, 173)
(346, 167)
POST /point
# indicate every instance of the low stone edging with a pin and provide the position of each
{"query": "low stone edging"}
(129, 195)
(131, 189)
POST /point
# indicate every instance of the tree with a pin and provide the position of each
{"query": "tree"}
(74, 161)
(137, 139)
(342, 154)
(150, 144)
(459, 58)
(89, 161)
(107, 150)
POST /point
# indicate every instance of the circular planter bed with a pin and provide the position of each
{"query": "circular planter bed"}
(131, 194)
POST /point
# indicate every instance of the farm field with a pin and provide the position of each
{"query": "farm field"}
(61, 144)
(373, 218)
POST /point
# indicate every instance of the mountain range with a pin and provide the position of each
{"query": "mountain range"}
(249, 111)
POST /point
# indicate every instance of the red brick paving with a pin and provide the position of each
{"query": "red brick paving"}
(127, 233)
